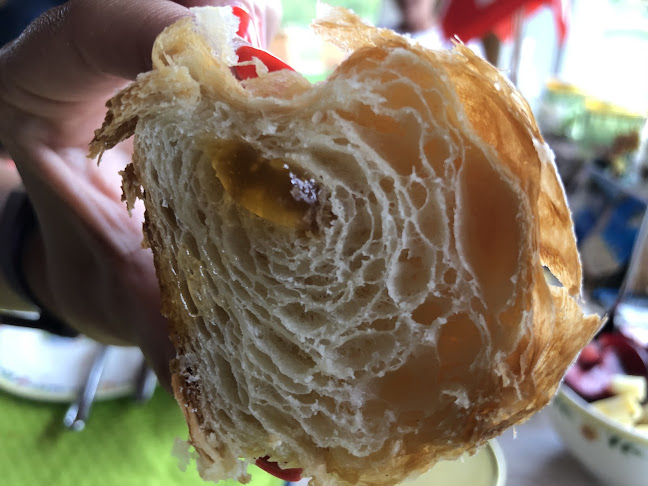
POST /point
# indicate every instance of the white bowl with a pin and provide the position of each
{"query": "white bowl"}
(614, 453)
(486, 467)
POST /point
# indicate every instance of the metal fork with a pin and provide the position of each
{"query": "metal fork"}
(145, 384)
(76, 416)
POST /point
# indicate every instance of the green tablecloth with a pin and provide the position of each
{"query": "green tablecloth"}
(123, 444)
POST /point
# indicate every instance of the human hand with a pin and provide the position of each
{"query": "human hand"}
(86, 263)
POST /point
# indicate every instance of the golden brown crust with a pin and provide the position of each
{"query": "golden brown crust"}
(184, 392)
(139, 99)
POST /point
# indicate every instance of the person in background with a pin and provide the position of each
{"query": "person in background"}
(67, 242)
(421, 19)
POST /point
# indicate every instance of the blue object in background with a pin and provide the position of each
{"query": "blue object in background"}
(585, 220)
(622, 228)
(607, 217)
(605, 296)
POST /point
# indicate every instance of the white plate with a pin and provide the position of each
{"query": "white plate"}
(40, 366)
(486, 468)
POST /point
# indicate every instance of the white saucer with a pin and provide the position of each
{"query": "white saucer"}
(40, 366)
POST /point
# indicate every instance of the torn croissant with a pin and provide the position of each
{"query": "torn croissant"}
(353, 271)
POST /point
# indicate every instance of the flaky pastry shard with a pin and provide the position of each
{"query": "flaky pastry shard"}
(353, 271)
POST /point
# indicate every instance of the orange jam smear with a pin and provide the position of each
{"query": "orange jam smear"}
(273, 189)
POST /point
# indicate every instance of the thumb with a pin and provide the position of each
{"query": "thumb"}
(73, 51)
